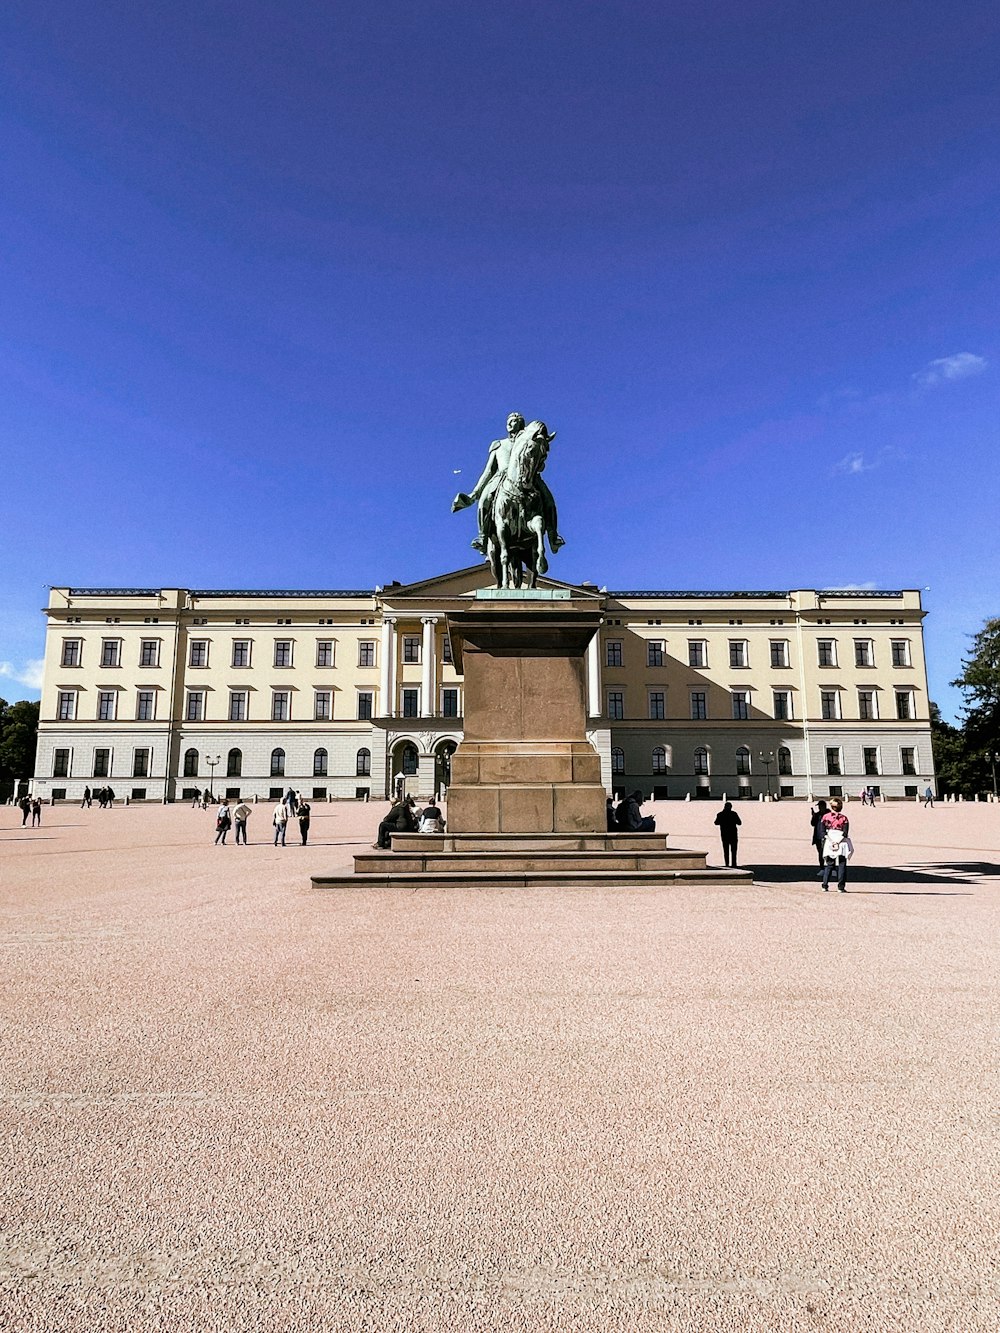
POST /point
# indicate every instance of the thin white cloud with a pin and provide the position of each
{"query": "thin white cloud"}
(946, 368)
(849, 587)
(854, 463)
(29, 675)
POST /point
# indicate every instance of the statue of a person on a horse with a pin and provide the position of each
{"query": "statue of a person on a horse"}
(516, 508)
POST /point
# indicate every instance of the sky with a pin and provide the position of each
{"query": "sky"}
(273, 276)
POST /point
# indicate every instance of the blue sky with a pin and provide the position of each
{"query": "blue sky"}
(272, 273)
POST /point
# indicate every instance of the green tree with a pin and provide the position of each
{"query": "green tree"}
(980, 682)
(958, 770)
(18, 741)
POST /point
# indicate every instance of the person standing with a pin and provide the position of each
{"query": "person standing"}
(303, 814)
(612, 821)
(36, 812)
(25, 805)
(85, 803)
(280, 821)
(290, 802)
(929, 798)
(240, 816)
(728, 822)
(836, 844)
(816, 819)
(223, 823)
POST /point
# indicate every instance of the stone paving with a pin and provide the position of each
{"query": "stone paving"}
(231, 1102)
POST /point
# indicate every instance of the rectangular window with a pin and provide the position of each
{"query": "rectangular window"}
(324, 653)
(198, 653)
(870, 755)
(72, 651)
(323, 710)
(908, 759)
(783, 705)
(616, 704)
(282, 652)
(867, 705)
(411, 703)
(140, 763)
(613, 648)
(900, 652)
(365, 705)
(833, 760)
(102, 763)
(829, 705)
(238, 705)
(449, 703)
(149, 653)
(657, 705)
(654, 653)
(827, 649)
(106, 705)
(779, 653)
(737, 652)
(241, 652)
(699, 705)
(67, 705)
(111, 652)
(411, 647)
(904, 705)
(741, 705)
(146, 706)
(366, 653)
(60, 764)
(446, 650)
(864, 653)
(697, 653)
(280, 705)
(785, 765)
(195, 710)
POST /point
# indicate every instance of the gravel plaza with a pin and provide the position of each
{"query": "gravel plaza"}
(232, 1102)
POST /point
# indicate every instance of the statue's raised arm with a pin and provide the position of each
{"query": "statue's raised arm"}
(516, 508)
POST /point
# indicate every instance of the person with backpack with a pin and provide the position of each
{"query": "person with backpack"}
(837, 846)
(223, 823)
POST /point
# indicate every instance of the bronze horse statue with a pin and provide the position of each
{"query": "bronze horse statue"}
(516, 543)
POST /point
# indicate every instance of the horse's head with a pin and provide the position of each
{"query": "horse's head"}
(531, 448)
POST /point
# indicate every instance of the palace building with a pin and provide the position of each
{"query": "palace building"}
(161, 692)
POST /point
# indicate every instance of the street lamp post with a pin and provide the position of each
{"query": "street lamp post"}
(212, 763)
(993, 757)
(767, 760)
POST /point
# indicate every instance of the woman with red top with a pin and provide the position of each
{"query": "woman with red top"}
(836, 845)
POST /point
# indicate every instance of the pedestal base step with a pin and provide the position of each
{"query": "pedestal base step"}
(536, 879)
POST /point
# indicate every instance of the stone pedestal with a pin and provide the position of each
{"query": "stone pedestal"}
(525, 764)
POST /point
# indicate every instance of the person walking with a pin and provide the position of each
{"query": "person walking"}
(837, 846)
(302, 814)
(728, 822)
(109, 796)
(85, 803)
(929, 798)
(223, 823)
(36, 812)
(240, 816)
(280, 821)
(25, 805)
(816, 819)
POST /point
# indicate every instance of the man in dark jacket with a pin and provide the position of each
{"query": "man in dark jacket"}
(728, 822)
(630, 817)
(400, 819)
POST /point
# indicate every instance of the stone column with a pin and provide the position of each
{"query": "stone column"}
(428, 704)
(594, 677)
(387, 673)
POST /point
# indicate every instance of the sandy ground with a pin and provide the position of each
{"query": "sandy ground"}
(231, 1102)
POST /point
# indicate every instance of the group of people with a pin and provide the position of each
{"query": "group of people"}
(627, 816)
(104, 796)
(292, 806)
(403, 817)
(30, 807)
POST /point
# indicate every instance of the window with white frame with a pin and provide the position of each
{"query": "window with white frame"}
(449, 702)
(363, 763)
(283, 652)
(234, 764)
(826, 650)
(698, 653)
(779, 653)
(699, 705)
(140, 762)
(72, 652)
(198, 653)
(701, 762)
(411, 648)
(904, 706)
(102, 762)
(613, 652)
(659, 760)
(868, 705)
(190, 764)
(324, 652)
(111, 652)
(833, 763)
(738, 653)
(743, 761)
(784, 761)
(323, 705)
(277, 763)
(654, 652)
(149, 653)
(281, 704)
(446, 655)
(908, 760)
(872, 761)
(195, 708)
(864, 653)
(411, 701)
(241, 652)
(60, 763)
(320, 763)
(829, 705)
(66, 707)
(145, 709)
(617, 760)
(657, 705)
(238, 705)
(616, 704)
(366, 705)
(741, 705)
(107, 705)
(900, 652)
(366, 653)
(782, 705)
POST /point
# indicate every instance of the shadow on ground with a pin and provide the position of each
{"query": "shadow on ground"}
(912, 879)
